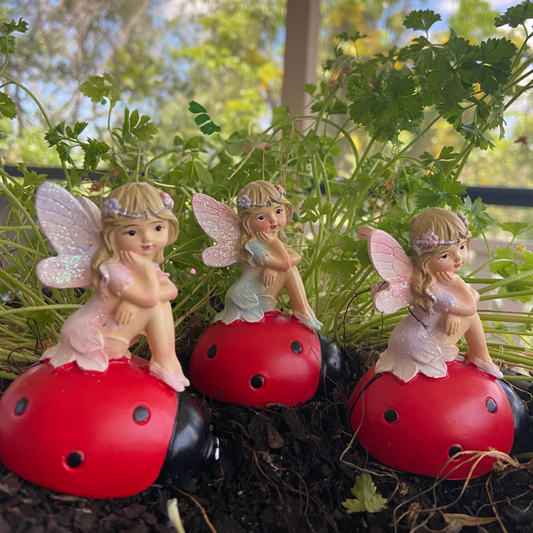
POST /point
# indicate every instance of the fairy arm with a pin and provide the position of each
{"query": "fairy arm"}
(270, 274)
(277, 257)
(142, 294)
(167, 291)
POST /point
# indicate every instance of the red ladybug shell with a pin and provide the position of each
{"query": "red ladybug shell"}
(101, 435)
(276, 360)
(418, 426)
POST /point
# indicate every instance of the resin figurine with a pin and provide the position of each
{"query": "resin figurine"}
(420, 406)
(254, 239)
(254, 354)
(444, 306)
(91, 419)
(119, 254)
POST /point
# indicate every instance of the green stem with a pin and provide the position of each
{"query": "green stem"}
(46, 118)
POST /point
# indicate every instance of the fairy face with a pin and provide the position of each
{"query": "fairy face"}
(142, 237)
(449, 260)
(268, 219)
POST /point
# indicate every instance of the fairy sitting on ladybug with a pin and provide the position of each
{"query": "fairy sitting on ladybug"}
(255, 354)
(95, 409)
(422, 407)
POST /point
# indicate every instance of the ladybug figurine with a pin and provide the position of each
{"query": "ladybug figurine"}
(106, 435)
(418, 407)
(254, 354)
(91, 419)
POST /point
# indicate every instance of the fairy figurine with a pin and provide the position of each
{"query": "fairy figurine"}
(444, 306)
(118, 253)
(420, 408)
(254, 354)
(255, 240)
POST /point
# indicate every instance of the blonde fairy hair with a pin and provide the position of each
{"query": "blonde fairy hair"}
(140, 200)
(250, 200)
(433, 232)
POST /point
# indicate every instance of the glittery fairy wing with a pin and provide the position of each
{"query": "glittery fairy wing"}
(222, 225)
(72, 226)
(394, 267)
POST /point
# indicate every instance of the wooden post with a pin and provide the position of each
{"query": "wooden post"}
(301, 45)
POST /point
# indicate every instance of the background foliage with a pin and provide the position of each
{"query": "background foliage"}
(364, 159)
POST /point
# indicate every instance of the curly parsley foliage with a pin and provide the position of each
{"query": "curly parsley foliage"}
(515, 16)
(390, 92)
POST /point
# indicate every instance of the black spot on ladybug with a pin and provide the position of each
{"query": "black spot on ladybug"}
(141, 414)
(456, 448)
(391, 415)
(75, 459)
(212, 351)
(257, 381)
(21, 406)
(296, 347)
(492, 406)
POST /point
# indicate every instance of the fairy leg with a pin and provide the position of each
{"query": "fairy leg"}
(478, 352)
(302, 310)
(160, 334)
(158, 326)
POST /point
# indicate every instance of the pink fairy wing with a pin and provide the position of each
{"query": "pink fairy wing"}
(394, 267)
(364, 232)
(222, 225)
(72, 226)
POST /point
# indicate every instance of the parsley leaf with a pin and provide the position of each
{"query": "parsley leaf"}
(7, 106)
(516, 15)
(100, 89)
(421, 20)
(366, 498)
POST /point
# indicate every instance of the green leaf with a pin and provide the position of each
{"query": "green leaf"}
(79, 128)
(516, 228)
(193, 143)
(478, 216)
(100, 88)
(93, 150)
(200, 119)
(7, 106)
(42, 318)
(195, 107)
(310, 88)
(494, 67)
(20, 26)
(31, 177)
(516, 15)
(7, 44)
(280, 115)
(366, 498)
(308, 209)
(203, 174)
(347, 243)
(144, 130)
(210, 128)
(421, 20)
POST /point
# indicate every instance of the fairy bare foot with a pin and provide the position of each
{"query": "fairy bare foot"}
(489, 368)
(175, 379)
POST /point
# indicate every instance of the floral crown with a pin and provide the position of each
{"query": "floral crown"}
(430, 240)
(111, 208)
(244, 201)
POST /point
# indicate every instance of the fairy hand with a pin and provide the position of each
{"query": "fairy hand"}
(134, 260)
(125, 312)
(444, 277)
(269, 277)
(265, 237)
(453, 323)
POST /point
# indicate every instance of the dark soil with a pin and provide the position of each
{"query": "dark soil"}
(283, 471)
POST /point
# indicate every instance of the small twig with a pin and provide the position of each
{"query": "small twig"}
(493, 505)
(204, 514)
